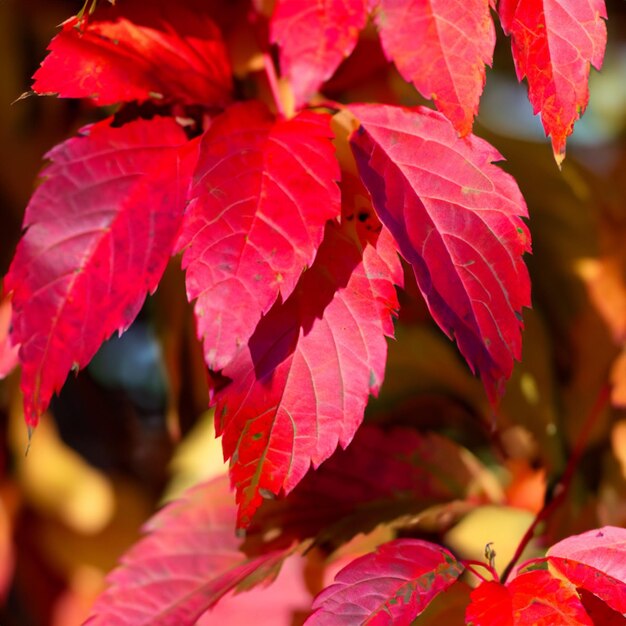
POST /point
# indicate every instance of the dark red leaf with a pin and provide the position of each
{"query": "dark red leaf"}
(455, 217)
(301, 385)
(379, 476)
(599, 611)
(553, 42)
(100, 230)
(441, 47)
(534, 598)
(137, 50)
(390, 586)
(188, 561)
(314, 37)
(263, 190)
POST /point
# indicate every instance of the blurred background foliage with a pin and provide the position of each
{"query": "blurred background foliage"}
(132, 430)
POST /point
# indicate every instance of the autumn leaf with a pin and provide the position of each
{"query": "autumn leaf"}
(553, 43)
(139, 51)
(263, 190)
(100, 230)
(189, 559)
(442, 48)
(314, 37)
(533, 598)
(456, 218)
(300, 386)
(379, 476)
(390, 586)
(592, 562)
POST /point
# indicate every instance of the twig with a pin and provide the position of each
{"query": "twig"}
(471, 564)
(562, 487)
(270, 73)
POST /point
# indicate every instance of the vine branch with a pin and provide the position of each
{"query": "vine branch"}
(561, 489)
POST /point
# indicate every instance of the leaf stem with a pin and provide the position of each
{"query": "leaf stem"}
(562, 487)
(270, 73)
(470, 565)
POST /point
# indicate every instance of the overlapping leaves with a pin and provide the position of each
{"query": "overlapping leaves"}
(138, 51)
(298, 350)
(262, 193)
(456, 219)
(293, 302)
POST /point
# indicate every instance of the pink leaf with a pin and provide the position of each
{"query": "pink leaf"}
(263, 190)
(553, 42)
(441, 47)
(455, 217)
(139, 50)
(274, 605)
(8, 351)
(188, 561)
(301, 385)
(390, 586)
(100, 230)
(596, 561)
(314, 37)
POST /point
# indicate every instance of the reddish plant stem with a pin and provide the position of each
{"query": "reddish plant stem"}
(562, 487)
(471, 565)
(270, 73)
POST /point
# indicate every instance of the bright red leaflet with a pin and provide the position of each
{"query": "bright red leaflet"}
(314, 37)
(379, 475)
(441, 47)
(263, 190)
(139, 50)
(531, 599)
(100, 230)
(391, 586)
(301, 384)
(595, 561)
(187, 562)
(553, 42)
(456, 219)
(491, 605)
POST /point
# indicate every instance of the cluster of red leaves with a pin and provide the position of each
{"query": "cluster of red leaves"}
(199, 560)
(293, 280)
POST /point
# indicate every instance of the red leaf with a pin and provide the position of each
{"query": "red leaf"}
(491, 605)
(189, 560)
(314, 37)
(301, 385)
(441, 47)
(455, 217)
(139, 50)
(101, 228)
(531, 599)
(553, 43)
(368, 482)
(263, 191)
(390, 586)
(595, 561)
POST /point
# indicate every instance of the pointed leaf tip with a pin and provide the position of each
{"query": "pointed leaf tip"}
(456, 218)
